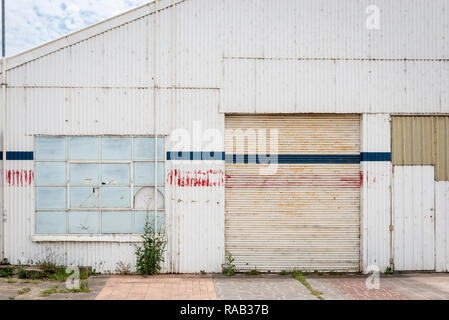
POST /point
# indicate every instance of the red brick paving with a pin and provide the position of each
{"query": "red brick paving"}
(160, 287)
(355, 288)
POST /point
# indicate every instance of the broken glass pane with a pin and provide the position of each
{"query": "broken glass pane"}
(112, 173)
(83, 148)
(50, 198)
(50, 222)
(84, 174)
(50, 173)
(84, 222)
(115, 197)
(50, 148)
(116, 222)
(84, 197)
(115, 148)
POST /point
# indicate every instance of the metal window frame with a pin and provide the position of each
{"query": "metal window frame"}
(132, 186)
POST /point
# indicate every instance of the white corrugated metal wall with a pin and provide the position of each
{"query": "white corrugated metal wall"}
(376, 192)
(232, 56)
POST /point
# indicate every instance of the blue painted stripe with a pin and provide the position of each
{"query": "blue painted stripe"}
(18, 155)
(375, 156)
(232, 158)
(195, 155)
(281, 158)
(294, 158)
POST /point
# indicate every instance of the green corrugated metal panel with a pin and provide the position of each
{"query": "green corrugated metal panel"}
(422, 141)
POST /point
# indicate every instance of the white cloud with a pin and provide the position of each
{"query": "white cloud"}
(32, 22)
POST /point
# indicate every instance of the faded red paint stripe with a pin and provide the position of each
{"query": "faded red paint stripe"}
(19, 178)
(195, 178)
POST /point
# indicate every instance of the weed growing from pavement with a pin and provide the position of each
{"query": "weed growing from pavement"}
(6, 273)
(50, 291)
(151, 254)
(252, 272)
(23, 291)
(388, 270)
(84, 287)
(203, 272)
(300, 277)
(284, 273)
(123, 268)
(229, 267)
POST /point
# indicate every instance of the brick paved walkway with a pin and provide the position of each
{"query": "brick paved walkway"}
(355, 289)
(160, 287)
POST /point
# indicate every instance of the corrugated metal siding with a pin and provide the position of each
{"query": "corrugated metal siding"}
(304, 216)
(414, 218)
(320, 57)
(442, 226)
(301, 134)
(376, 192)
(422, 141)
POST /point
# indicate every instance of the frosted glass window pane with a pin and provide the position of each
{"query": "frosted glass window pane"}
(50, 173)
(161, 149)
(144, 148)
(50, 148)
(115, 197)
(84, 197)
(144, 198)
(160, 222)
(115, 148)
(116, 222)
(51, 198)
(161, 173)
(139, 220)
(51, 222)
(83, 148)
(144, 173)
(84, 222)
(112, 173)
(84, 174)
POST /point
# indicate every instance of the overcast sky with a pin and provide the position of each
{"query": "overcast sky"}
(32, 22)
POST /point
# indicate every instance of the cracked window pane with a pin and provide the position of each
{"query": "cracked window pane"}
(84, 174)
(83, 148)
(50, 198)
(50, 173)
(116, 222)
(115, 197)
(113, 173)
(84, 222)
(84, 197)
(144, 198)
(50, 148)
(50, 222)
(115, 148)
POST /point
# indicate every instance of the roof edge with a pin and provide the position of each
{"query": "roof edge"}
(86, 33)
